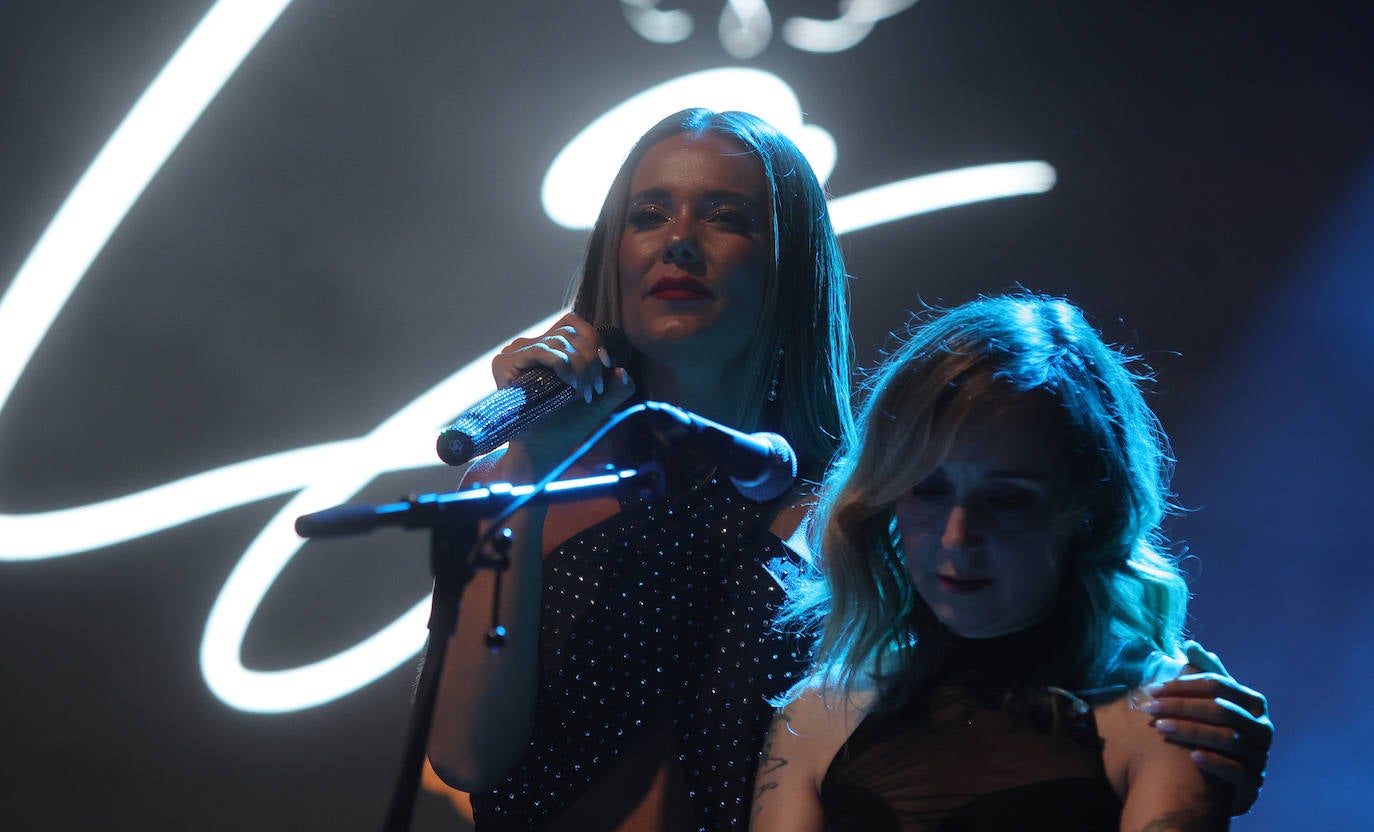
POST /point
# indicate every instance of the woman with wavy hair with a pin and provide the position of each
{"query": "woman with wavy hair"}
(994, 597)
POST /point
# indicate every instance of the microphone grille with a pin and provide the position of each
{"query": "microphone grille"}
(777, 476)
(507, 412)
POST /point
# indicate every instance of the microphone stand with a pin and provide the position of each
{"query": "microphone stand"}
(455, 553)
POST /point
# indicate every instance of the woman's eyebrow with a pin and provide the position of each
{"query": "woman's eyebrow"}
(1020, 474)
(725, 195)
(1036, 475)
(649, 195)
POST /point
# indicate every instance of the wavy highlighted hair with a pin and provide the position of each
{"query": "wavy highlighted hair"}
(1120, 586)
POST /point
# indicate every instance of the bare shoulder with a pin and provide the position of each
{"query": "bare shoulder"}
(816, 722)
(792, 523)
(1126, 730)
(806, 734)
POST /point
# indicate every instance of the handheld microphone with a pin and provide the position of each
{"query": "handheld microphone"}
(505, 414)
(761, 465)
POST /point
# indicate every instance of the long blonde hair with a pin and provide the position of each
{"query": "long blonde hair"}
(1120, 585)
(806, 310)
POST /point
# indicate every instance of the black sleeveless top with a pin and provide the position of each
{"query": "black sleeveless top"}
(664, 607)
(985, 745)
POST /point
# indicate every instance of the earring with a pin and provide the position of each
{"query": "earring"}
(776, 372)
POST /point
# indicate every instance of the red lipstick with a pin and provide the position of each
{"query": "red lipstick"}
(679, 288)
(963, 586)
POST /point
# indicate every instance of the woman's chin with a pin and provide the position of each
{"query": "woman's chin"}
(671, 328)
(681, 338)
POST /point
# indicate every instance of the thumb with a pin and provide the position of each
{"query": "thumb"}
(1204, 659)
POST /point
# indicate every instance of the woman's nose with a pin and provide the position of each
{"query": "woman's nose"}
(956, 533)
(682, 249)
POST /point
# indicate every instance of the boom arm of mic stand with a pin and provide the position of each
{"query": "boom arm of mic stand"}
(452, 520)
(436, 511)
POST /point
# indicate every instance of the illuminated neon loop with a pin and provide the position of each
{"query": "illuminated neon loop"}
(331, 473)
(746, 26)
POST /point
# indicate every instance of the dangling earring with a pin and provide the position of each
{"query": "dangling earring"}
(776, 373)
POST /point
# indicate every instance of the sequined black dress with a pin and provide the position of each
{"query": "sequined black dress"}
(665, 604)
(986, 747)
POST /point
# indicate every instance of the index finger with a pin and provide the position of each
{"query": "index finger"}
(1212, 686)
(583, 327)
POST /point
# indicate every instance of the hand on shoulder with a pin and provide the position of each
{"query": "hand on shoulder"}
(1156, 778)
(1225, 724)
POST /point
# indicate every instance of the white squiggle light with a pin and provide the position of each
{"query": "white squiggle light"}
(656, 25)
(932, 192)
(745, 28)
(331, 473)
(70, 531)
(581, 173)
(856, 22)
(406, 440)
(121, 170)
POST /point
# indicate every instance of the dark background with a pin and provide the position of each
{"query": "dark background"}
(356, 215)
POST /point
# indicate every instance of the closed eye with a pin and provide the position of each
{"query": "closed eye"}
(1018, 500)
(644, 217)
(933, 488)
(733, 219)
(1012, 499)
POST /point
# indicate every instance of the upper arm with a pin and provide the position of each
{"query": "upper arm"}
(1168, 793)
(803, 739)
(786, 791)
(1164, 790)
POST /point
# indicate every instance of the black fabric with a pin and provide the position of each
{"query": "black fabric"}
(982, 746)
(665, 608)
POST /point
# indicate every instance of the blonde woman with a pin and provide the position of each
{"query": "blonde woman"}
(995, 600)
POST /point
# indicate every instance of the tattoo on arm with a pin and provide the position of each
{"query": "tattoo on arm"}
(769, 765)
(1180, 821)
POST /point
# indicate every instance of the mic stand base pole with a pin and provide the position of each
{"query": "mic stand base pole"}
(448, 546)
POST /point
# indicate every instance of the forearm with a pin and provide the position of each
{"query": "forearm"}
(486, 697)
